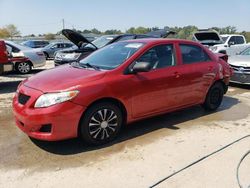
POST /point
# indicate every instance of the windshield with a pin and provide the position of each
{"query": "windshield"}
(246, 52)
(101, 41)
(224, 39)
(112, 55)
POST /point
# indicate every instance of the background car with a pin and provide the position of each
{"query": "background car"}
(35, 43)
(207, 37)
(121, 83)
(36, 57)
(241, 66)
(85, 47)
(50, 50)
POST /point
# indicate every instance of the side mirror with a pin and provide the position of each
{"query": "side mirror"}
(230, 43)
(141, 67)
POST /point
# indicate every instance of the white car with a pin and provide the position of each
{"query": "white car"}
(36, 58)
(232, 44)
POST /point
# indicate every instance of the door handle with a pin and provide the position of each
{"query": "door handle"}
(177, 75)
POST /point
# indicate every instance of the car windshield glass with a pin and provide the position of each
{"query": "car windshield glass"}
(101, 41)
(245, 52)
(112, 55)
(224, 39)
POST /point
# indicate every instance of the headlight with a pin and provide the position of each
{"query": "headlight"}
(72, 55)
(214, 48)
(50, 99)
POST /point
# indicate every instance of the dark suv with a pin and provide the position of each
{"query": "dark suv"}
(84, 47)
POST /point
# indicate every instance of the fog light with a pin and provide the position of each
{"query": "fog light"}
(46, 128)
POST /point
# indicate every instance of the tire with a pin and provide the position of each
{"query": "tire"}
(101, 123)
(23, 67)
(214, 97)
(46, 55)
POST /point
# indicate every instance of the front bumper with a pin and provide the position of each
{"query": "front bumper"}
(241, 78)
(63, 118)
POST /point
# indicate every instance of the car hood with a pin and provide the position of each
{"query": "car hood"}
(62, 78)
(75, 37)
(239, 60)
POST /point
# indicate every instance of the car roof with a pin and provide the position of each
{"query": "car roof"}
(159, 40)
(229, 35)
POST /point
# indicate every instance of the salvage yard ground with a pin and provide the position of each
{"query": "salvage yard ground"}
(145, 152)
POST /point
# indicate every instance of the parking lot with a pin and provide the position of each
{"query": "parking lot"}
(145, 153)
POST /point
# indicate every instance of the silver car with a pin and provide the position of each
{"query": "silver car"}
(241, 66)
(36, 58)
(52, 48)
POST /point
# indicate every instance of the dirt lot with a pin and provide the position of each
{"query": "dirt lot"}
(145, 153)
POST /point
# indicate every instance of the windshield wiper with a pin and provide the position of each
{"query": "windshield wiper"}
(89, 66)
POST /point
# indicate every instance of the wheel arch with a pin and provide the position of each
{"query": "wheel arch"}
(112, 100)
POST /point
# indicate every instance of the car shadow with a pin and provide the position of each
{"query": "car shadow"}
(166, 121)
(8, 87)
(242, 86)
(11, 86)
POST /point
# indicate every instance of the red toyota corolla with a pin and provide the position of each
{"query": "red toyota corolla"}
(119, 84)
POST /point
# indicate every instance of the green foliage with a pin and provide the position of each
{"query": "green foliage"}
(226, 30)
(9, 31)
(50, 36)
(138, 30)
(247, 35)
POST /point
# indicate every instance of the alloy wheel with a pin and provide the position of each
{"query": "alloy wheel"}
(24, 67)
(103, 124)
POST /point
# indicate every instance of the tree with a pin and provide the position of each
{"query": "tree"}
(12, 30)
(112, 31)
(95, 31)
(4, 33)
(50, 36)
(9, 31)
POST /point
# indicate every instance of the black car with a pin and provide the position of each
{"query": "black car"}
(84, 47)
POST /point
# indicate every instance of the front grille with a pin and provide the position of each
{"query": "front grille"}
(23, 99)
(241, 69)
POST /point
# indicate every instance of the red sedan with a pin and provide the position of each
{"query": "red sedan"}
(119, 84)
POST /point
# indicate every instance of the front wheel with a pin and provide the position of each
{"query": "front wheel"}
(23, 67)
(214, 97)
(101, 123)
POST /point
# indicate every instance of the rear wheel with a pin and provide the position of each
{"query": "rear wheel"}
(101, 123)
(23, 67)
(214, 97)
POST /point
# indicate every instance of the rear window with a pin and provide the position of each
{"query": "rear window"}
(207, 36)
(193, 54)
(239, 40)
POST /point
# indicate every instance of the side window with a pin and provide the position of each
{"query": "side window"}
(232, 41)
(159, 56)
(126, 38)
(13, 48)
(239, 40)
(193, 54)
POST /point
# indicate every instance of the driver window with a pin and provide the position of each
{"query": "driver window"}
(159, 56)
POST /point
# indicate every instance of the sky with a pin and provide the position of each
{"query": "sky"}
(45, 16)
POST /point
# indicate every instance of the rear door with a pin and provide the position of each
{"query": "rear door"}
(197, 72)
